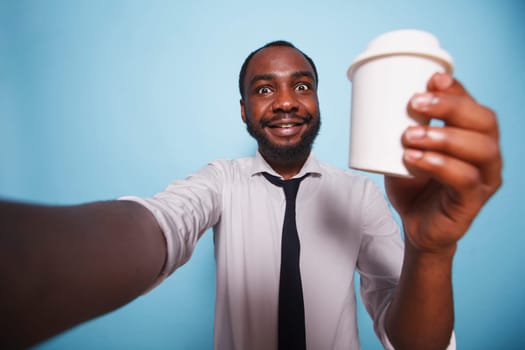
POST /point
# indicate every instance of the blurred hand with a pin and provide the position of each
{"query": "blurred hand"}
(457, 166)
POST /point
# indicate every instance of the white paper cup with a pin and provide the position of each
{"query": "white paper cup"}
(394, 67)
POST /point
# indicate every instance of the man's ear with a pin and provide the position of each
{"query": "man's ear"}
(243, 111)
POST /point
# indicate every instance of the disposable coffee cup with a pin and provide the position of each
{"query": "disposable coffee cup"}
(394, 67)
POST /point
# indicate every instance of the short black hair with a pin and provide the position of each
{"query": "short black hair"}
(285, 43)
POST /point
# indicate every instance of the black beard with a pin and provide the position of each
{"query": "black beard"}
(285, 154)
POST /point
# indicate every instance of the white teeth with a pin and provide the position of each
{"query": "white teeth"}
(286, 125)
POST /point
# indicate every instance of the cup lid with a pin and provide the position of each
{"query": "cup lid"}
(404, 41)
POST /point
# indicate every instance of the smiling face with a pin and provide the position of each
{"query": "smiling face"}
(280, 105)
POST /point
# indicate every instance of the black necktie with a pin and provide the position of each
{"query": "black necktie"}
(291, 333)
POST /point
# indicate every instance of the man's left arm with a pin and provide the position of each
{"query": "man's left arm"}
(457, 168)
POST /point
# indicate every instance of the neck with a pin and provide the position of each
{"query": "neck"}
(286, 168)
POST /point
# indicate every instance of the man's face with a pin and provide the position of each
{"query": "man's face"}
(280, 105)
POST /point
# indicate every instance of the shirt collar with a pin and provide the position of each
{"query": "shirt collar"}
(311, 166)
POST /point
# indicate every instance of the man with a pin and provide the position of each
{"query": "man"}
(90, 259)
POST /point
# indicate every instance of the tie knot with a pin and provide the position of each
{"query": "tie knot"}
(290, 186)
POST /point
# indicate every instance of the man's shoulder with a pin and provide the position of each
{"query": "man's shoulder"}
(228, 168)
(346, 175)
(234, 164)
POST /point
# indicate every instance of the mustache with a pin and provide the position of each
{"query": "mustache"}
(291, 117)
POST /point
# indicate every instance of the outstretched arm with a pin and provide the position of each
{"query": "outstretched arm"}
(60, 266)
(457, 168)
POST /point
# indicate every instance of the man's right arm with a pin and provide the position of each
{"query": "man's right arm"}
(60, 266)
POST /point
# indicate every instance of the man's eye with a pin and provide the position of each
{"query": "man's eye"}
(302, 87)
(263, 90)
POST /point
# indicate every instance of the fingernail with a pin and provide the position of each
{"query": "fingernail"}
(415, 133)
(444, 81)
(423, 101)
(435, 135)
(435, 160)
(413, 154)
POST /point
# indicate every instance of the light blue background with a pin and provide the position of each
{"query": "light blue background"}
(100, 99)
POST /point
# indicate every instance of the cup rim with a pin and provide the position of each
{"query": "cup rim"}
(447, 64)
(378, 48)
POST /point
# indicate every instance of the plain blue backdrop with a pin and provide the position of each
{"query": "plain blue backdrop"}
(100, 99)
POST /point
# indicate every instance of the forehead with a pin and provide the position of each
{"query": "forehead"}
(280, 61)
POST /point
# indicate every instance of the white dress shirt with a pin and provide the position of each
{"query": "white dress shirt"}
(343, 222)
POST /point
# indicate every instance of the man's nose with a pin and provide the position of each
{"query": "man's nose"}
(285, 101)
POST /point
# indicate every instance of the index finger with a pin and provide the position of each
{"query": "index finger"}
(444, 82)
(457, 110)
(461, 103)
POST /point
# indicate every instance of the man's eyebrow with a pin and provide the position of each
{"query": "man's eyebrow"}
(269, 76)
(260, 77)
(303, 73)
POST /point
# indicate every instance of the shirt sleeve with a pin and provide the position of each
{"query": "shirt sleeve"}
(380, 261)
(184, 211)
(380, 258)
